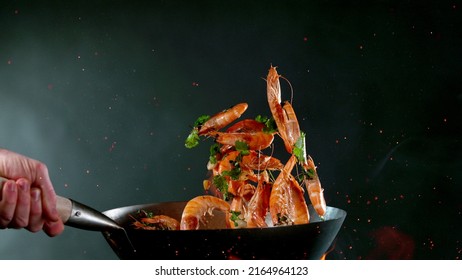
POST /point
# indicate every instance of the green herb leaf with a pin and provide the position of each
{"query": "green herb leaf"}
(234, 173)
(235, 217)
(299, 148)
(201, 120)
(270, 124)
(282, 219)
(309, 174)
(242, 147)
(145, 214)
(222, 185)
(193, 139)
(214, 151)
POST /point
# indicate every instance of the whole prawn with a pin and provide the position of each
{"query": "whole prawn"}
(313, 185)
(196, 209)
(273, 92)
(286, 203)
(158, 222)
(289, 130)
(258, 206)
(223, 118)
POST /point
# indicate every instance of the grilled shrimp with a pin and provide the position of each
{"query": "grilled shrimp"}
(196, 209)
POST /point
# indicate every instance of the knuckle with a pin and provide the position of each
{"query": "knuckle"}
(35, 227)
(5, 220)
(21, 222)
(41, 168)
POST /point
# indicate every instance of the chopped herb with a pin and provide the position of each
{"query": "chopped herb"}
(214, 151)
(270, 124)
(282, 219)
(310, 173)
(222, 185)
(201, 120)
(299, 148)
(193, 139)
(145, 214)
(234, 173)
(242, 147)
(235, 217)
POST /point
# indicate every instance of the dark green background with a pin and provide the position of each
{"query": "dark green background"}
(104, 93)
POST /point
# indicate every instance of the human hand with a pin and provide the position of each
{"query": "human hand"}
(27, 199)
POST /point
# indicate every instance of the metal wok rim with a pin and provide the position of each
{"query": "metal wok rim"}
(314, 218)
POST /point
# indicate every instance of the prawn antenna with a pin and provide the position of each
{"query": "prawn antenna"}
(291, 88)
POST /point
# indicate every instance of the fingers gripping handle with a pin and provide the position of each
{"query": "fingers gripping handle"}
(78, 215)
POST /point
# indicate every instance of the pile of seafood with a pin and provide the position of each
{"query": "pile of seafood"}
(252, 188)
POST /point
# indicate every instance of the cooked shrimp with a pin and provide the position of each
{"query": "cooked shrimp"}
(258, 206)
(273, 92)
(196, 209)
(247, 125)
(287, 203)
(289, 130)
(158, 222)
(313, 185)
(223, 118)
(254, 140)
(254, 161)
(292, 128)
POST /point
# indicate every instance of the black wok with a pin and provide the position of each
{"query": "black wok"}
(308, 241)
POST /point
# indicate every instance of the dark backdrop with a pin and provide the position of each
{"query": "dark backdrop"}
(104, 93)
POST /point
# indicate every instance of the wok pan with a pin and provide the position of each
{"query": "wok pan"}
(308, 241)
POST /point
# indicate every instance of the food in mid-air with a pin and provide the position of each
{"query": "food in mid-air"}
(252, 188)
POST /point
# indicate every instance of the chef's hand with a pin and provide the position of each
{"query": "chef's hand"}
(27, 198)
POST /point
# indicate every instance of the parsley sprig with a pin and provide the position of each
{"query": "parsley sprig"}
(193, 138)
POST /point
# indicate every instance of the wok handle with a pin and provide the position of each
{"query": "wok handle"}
(79, 215)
